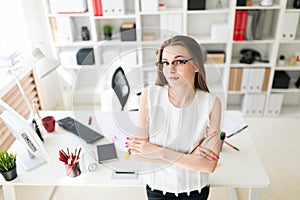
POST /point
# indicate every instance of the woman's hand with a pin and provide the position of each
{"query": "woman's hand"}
(205, 153)
(142, 147)
(203, 149)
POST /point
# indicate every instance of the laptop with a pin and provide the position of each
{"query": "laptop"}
(82, 131)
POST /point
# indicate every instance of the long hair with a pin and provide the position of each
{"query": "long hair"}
(196, 53)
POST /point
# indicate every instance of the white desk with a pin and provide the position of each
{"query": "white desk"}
(241, 169)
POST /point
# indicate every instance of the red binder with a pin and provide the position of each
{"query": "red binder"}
(237, 25)
(100, 13)
(243, 25)
(97, 5)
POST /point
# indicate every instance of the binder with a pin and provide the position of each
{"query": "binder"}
(65, 27)
(288, 31)
(239, 79)
(243, 25)
(246, 104)
(97, 6)
(235, 79)
(249, 27)
(251, 80)
(254, 80)
(266, 79)
(237, 25)
(232, 76)
(258, 104)
(258, 79)
(260, 25)
(245, 79)
(113, 7)
(255, 18)
(54, 30)
(253, 104)
(275, 104)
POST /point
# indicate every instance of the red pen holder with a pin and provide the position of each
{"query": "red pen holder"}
(73, 170)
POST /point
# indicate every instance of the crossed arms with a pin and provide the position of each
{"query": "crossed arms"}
(203, 158)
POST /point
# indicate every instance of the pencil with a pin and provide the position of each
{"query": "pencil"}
(231, 146)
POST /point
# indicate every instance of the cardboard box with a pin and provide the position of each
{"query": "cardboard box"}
(148, 37)
(216, 57)
(128, 32)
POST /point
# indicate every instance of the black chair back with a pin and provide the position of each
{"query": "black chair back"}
(121, 86)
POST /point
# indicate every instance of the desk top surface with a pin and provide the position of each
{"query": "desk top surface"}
(237, 168)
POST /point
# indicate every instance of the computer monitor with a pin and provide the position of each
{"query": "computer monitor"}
(35, 154)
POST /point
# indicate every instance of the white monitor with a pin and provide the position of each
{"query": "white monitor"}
(36, 154)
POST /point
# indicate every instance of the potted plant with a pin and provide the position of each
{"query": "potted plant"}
(8, 167)
(107, 30)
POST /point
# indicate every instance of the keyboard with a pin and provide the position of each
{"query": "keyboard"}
(79, 129)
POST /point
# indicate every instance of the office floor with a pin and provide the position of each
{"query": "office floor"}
(276, 140)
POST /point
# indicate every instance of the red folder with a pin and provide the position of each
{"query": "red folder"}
(97, 6)
(243, 25)
(237, 25)
(100, 8)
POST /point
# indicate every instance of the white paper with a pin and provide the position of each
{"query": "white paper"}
(232, 125)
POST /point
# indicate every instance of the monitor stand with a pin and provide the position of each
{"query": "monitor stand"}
(30, 161)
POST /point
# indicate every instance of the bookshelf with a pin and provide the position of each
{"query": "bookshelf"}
(196, 23)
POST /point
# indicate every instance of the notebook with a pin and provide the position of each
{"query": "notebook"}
(106, 152)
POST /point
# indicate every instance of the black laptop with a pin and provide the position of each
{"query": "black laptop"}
(82, 131)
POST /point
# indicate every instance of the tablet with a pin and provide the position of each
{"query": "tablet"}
(106, 152)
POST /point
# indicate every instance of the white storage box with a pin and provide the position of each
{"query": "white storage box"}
(67, 6)
(149, 6)
(113, 7)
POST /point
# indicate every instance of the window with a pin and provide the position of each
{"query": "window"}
(13, 34)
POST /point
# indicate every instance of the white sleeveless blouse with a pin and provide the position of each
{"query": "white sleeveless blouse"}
(179, 129)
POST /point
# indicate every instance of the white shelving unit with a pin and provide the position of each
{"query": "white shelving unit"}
(196, 23)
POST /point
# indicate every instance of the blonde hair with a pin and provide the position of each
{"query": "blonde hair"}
(195, 52)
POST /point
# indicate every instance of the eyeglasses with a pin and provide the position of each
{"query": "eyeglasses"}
(174, 63)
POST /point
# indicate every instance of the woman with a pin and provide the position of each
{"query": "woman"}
(179, 122)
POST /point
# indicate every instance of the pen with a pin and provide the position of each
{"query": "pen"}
(78, 153)
(124, 172)
(231, 146)
(237, 132)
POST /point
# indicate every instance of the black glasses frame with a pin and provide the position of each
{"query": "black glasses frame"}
(180, 61)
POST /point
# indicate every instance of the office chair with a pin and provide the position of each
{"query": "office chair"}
(121, 86)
